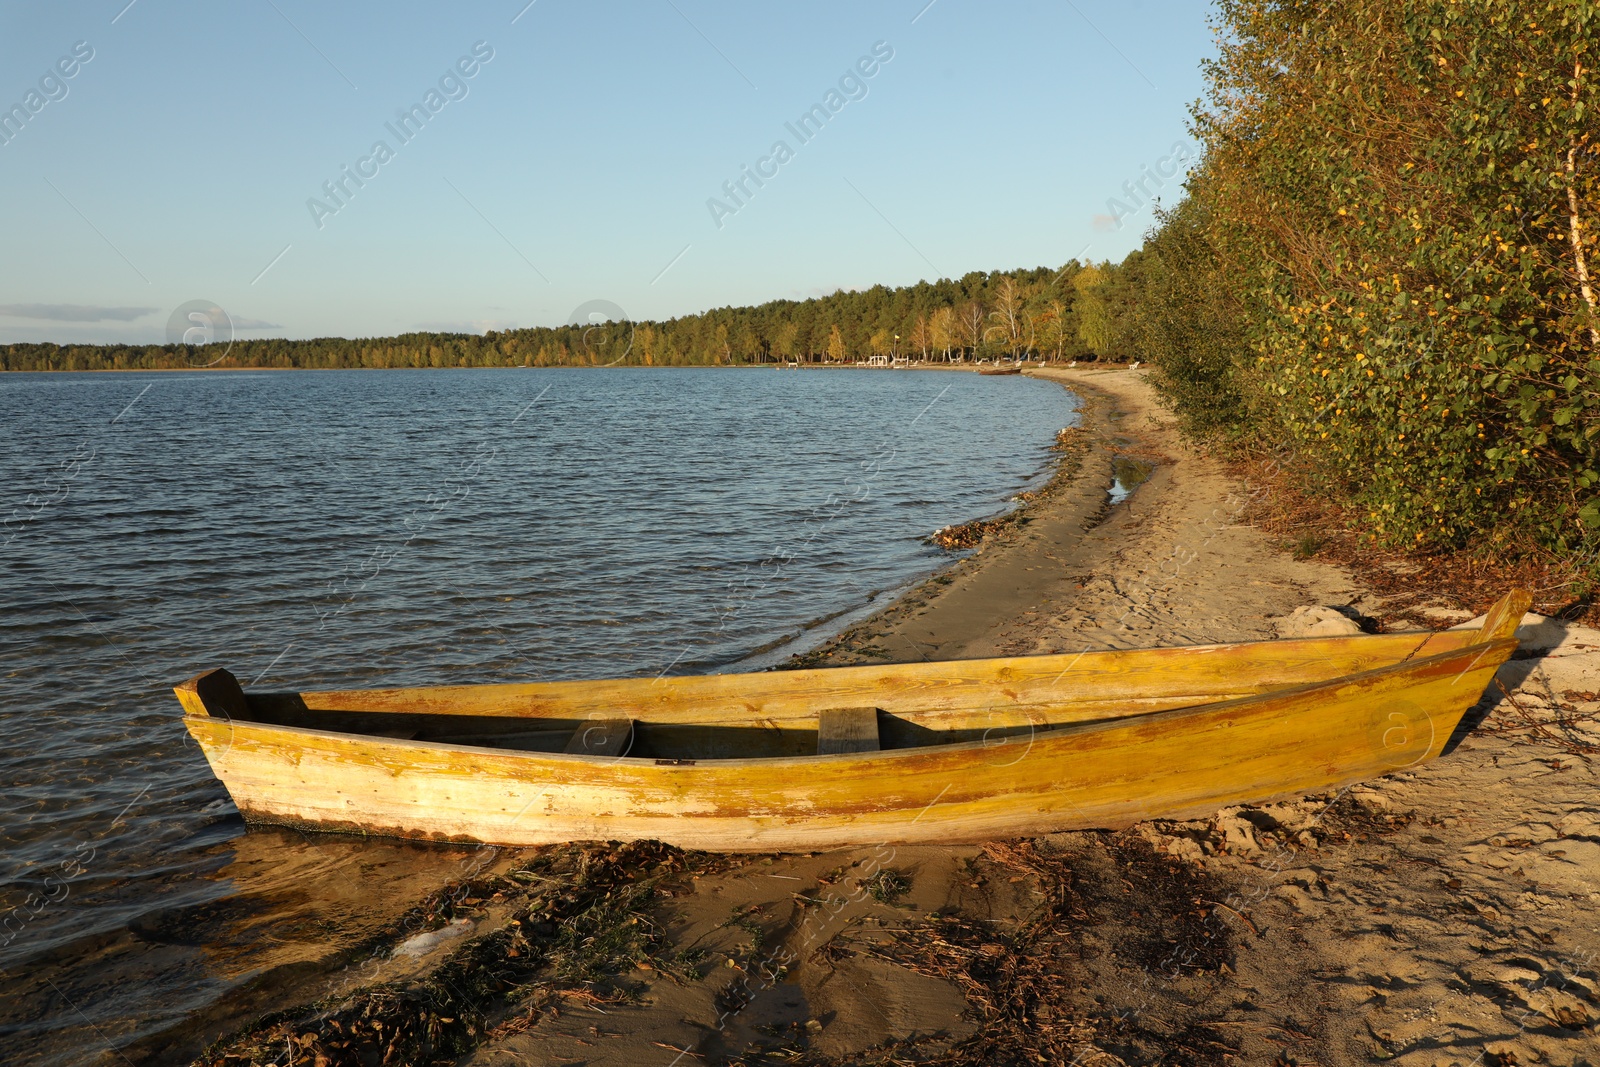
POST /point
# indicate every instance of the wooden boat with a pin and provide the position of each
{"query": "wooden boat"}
(958, 751)
(1001, 370)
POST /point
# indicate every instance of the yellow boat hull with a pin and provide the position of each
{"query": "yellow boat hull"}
(974, 750)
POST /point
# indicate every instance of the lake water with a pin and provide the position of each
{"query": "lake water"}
(375, 528)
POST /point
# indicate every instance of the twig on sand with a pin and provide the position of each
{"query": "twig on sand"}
(1241, 916)
(679, 1051)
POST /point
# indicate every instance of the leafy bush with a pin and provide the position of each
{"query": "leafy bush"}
(1188, 324)
(1403, 199)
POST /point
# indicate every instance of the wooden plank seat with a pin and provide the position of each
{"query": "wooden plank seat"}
(602, 737)
(841, 730)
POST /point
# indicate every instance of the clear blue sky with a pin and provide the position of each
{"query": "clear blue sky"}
(177, 163)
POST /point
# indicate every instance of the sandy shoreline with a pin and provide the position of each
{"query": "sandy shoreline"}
(1172, 565)
(1450, 914)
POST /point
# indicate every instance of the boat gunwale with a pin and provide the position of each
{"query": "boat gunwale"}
(997, 664)
(1377, 675)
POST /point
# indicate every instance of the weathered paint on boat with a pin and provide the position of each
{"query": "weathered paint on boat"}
(971, 750)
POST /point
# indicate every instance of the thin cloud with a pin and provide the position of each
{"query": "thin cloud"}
(464, 326)
(255, 324)
(74, 312)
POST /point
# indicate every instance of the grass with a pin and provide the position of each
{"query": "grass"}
(612, 936)
(887, 886)
(1308, 545)
(746, 919)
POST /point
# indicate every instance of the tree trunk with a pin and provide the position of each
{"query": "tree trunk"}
(1575, 234)
(1575, 224)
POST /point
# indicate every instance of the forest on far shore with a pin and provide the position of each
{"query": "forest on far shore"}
(1077, 311)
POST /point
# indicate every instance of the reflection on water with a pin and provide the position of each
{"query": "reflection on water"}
(1127, 475)
(344, 528)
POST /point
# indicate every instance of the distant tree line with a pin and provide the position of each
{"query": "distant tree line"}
(1074, 312)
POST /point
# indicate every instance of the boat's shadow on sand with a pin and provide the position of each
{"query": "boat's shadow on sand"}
(1538, 640)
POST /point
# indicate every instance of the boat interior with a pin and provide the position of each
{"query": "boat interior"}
(819, 712)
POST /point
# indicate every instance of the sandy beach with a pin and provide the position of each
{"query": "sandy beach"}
(1449, 914)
